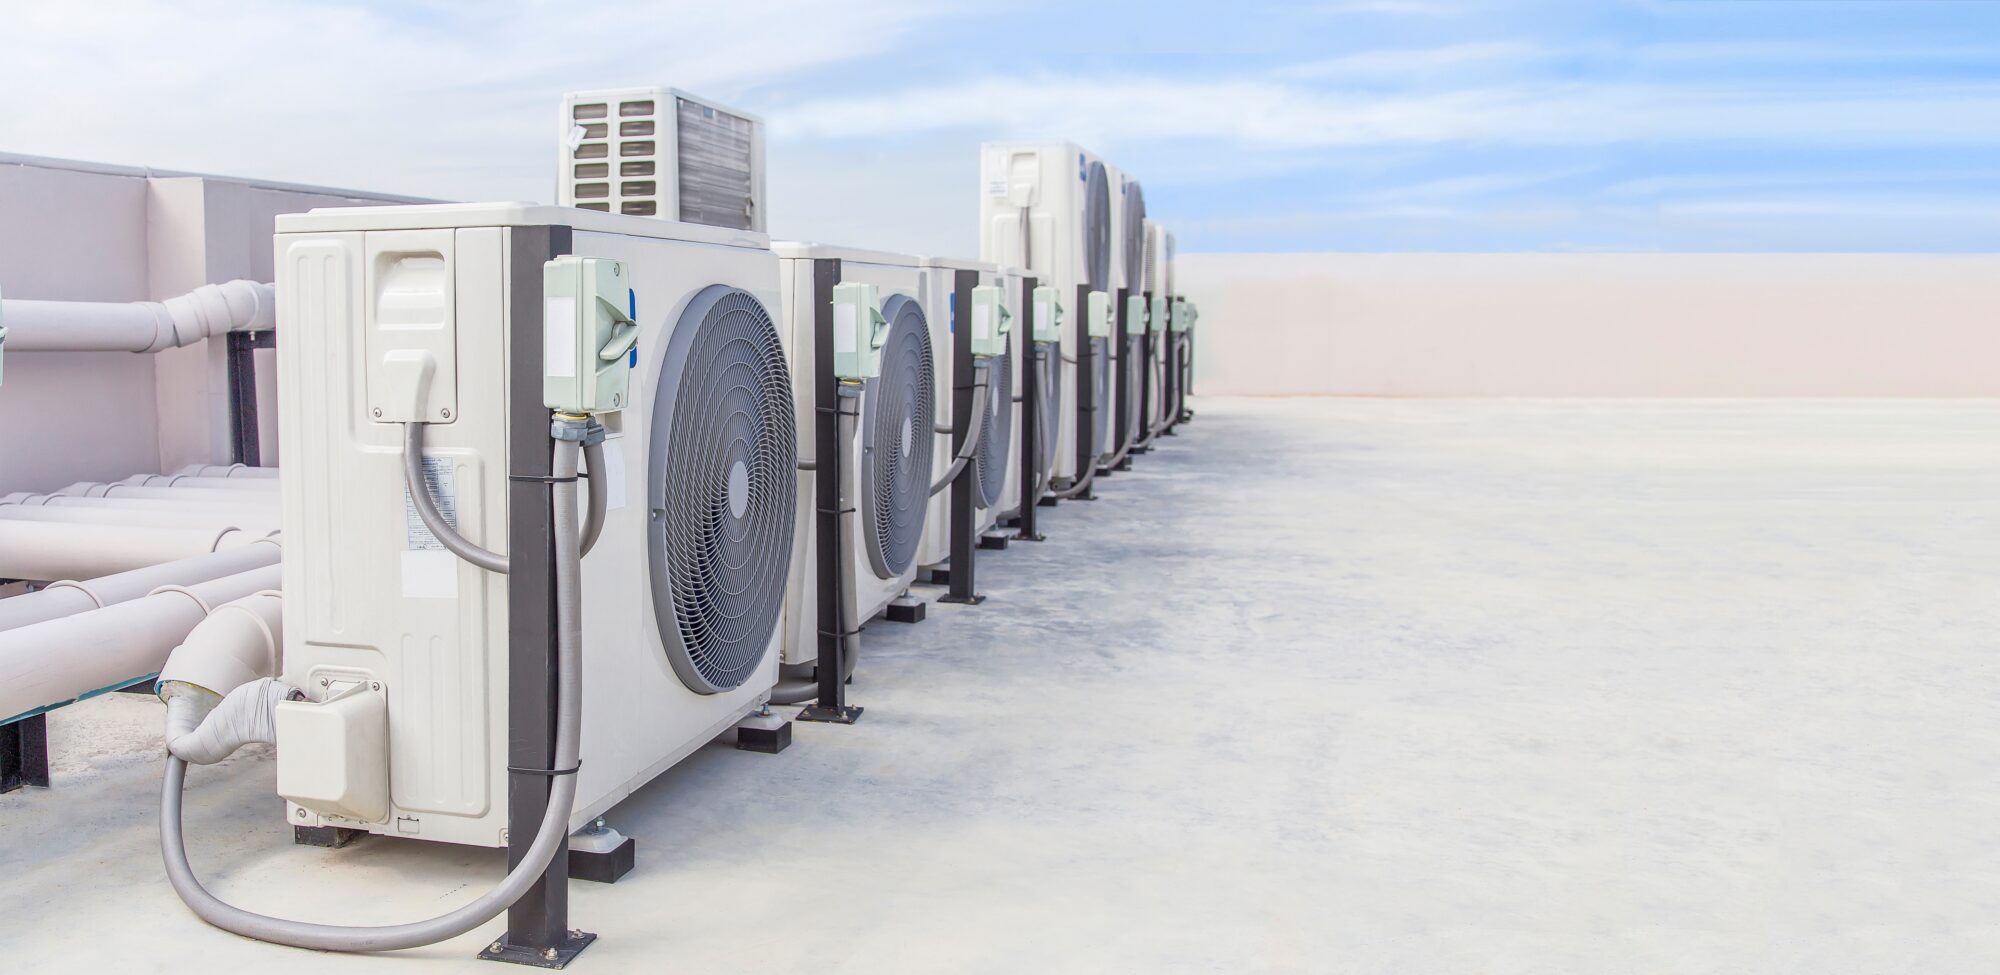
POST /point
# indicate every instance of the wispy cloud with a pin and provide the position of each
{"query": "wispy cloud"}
(1403, 65)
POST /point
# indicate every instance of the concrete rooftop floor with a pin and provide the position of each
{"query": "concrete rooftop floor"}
(1321, 686)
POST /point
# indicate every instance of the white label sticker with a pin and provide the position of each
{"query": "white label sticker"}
(982, 320)
(559, 337)
(845, 329)
(576, 134)
(430, 575)
(614, 471)
(441, 478)
(996, 187)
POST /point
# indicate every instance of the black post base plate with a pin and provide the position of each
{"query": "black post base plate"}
(993, 542)
(1036, 537)
(815, 712)
(972, 600)
(555, 956)
(606, 867)
(1126, 464)
(328, 837)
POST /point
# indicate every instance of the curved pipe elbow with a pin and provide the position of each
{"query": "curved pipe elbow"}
(239, 642)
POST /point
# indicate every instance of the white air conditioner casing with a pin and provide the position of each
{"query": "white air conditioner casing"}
(1013, 283)
(939, 279)
(661, 152)
(1047, 208)
(897, 279)
(367, 596)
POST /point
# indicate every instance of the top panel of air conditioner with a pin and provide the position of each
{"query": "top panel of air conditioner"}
(662, 152)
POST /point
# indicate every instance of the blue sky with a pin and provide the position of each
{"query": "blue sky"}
(1712, 125)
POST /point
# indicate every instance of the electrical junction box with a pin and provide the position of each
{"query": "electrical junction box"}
(333, 755)
(1135, 314)
(588, 335)
(1158, 318)
(1048, 315)
(859, 330)
(1097, 319)
(1184, 316)
(991, 321)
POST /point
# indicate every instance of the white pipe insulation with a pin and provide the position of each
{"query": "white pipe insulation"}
(233, 502)
(61, 660)
(139, 326)
(237, 643)
(238, 492)
(69, 597)
(47, 551)
(265, 484)
(257, 521)
(230, 470)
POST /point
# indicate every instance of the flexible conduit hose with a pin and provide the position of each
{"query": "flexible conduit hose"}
(970, 448)
(427, 509)
(548, 837)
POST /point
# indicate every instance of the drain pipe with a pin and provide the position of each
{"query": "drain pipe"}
(69, 597)
(139, 326)
(791, 689)
(61, 660)
(234, 503)
(970, 448)
(264, 484)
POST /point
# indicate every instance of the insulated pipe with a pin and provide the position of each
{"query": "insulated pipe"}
(600, 490)
(257, 522)
(90, 489)
(44, 550)
(229, 470)
(60, 660)
(240, 641)
(265, 484)
(252, 502)
(139, 326)
(68, 598)
(550, 835)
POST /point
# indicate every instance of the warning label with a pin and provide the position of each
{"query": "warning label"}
(438, 474)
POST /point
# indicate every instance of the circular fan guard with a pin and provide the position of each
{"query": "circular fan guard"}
(897, 437)
(720, 489)
(996, 434)
(1097, 227)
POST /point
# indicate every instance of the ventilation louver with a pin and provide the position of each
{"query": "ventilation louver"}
(720, 489)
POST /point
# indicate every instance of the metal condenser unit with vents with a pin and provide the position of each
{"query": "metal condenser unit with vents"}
(662, 152)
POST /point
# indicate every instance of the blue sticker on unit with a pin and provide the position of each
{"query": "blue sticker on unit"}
(1082, 168)
(632, 304)
(632, 357)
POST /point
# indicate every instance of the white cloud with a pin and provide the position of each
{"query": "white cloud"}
(450, 99)
(1409, 65)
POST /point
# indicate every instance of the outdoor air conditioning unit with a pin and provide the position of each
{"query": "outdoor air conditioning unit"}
(884, 350)
(1128, 256)
(662, 152)
(990, 317)
(1048, 209)
(472, 321)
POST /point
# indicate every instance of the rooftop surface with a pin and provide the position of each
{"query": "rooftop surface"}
(1321, 685)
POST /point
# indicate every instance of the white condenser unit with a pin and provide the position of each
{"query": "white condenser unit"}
(1020, 347)
(885, 351)
(991, 318)
(461, 319)
(662, 152)
(1047, 208)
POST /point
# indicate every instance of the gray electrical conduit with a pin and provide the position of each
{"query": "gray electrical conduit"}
(794, 691)
(427, 510)
(548, 837)
(970, 448)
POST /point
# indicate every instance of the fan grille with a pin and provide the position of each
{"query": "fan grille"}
(898, 413)
(1097, 227)
(720, 489)
(996, 434)
(1134, 233)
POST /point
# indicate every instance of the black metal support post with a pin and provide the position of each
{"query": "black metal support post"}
(1170, 350)
(964, 510)
(828, 462)
(1146, 409)
(24, 753)
(243, 444)
(1029, 357)
(538, 931)
(1086, 395)
(1121, 378)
